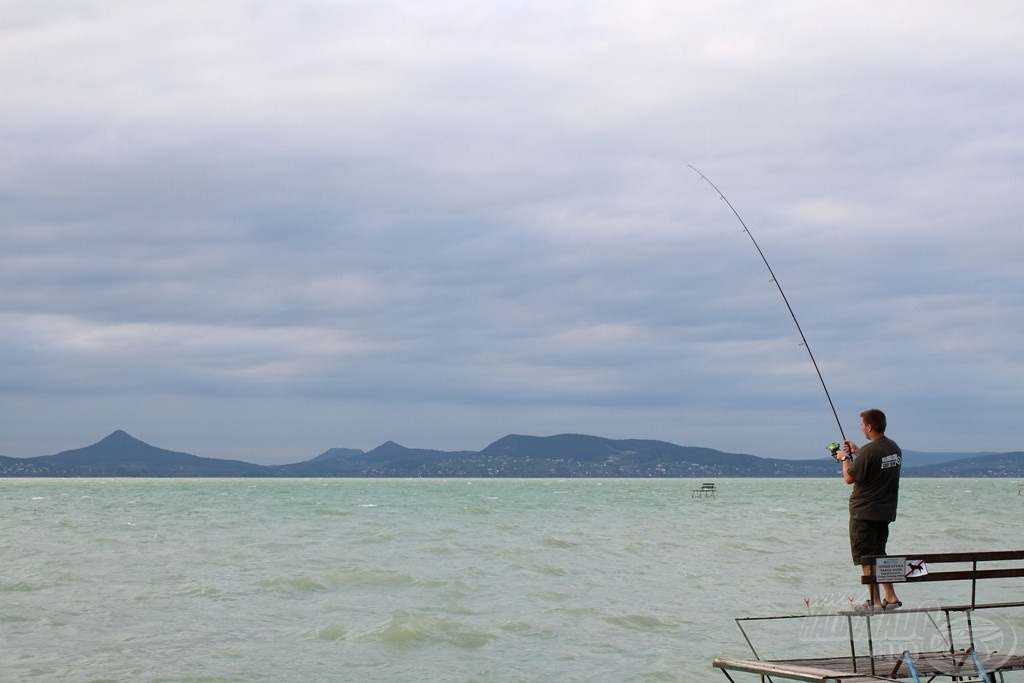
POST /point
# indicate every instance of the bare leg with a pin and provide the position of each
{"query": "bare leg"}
(873, 593)
(890, 593)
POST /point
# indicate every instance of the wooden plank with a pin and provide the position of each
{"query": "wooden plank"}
(789, 670)
(939, 558)
(957, 575)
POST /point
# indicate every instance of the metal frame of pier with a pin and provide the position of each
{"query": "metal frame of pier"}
(959, 661)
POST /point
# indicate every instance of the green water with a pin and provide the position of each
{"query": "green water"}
(439, 580)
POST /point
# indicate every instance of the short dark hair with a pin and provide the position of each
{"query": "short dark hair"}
(874, 418)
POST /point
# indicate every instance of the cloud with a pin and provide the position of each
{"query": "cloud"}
(254, 229)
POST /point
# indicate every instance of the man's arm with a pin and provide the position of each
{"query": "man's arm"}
(846, 464)
(846, 461)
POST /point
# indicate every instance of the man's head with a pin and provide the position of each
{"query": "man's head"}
(873, 419)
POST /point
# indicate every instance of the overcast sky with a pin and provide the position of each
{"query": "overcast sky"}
(259, 230)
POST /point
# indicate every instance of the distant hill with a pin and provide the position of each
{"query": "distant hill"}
(575, 455)
(122, 455)
(387, 460)
(563, 455)
(24, 467)
(989, 465)
(920, 459)
(333, 453)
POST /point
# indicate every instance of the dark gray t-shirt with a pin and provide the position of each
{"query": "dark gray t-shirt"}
(876, 476)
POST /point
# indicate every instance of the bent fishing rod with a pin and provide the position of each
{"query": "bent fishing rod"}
(832, 447)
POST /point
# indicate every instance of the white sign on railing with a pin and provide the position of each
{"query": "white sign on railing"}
(890, 569)
(898, 569)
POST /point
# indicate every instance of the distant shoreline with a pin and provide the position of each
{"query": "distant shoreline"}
(565, 456)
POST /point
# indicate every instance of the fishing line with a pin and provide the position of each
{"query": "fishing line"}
(784, 297)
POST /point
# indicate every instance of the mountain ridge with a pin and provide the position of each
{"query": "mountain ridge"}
(562, 455)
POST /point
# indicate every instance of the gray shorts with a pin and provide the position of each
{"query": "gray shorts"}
(867, 537)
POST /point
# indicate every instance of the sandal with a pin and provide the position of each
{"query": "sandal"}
(895, 604)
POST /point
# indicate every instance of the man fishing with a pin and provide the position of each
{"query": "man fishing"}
(874, 471)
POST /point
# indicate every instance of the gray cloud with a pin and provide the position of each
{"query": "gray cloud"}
(260, 230)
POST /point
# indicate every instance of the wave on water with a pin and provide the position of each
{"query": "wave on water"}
(19, 586)
(324, 582)
(332, 633)
(477, 510)
(404, 628)
(331, 512)
(193, 589)
(636, 622)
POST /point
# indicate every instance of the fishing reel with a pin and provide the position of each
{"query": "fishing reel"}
(834, 447)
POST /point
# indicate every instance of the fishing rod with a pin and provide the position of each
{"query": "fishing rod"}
(833, 447)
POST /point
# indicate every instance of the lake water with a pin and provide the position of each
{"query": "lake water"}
(214, 580)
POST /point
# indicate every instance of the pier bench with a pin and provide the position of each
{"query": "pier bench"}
(918, 568)
(705, 490)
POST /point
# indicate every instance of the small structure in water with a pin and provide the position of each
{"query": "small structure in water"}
(706, 490)
(969, 642)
